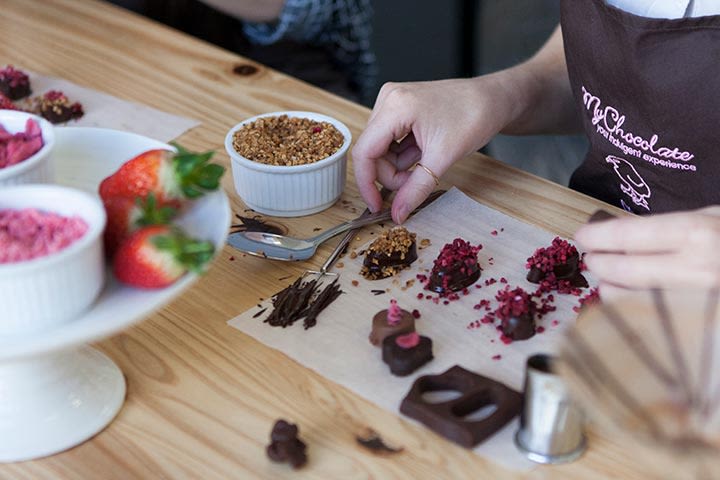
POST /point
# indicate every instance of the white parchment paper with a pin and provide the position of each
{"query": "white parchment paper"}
(338, 348)
(105, 111)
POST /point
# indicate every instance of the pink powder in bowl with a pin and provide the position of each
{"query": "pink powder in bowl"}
(31, 233)
(17, 147)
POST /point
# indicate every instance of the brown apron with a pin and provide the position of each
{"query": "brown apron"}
(648, 92)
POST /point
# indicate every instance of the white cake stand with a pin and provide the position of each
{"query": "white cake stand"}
(56, 392)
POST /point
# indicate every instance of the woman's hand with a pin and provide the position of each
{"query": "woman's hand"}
(435, 123)
(438, 123)
(666, 250)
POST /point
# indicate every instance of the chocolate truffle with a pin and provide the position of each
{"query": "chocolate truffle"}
(516, 312)
(55, 107)
(448, 418)
(559, 261)
(406, 352)
(455, 268)
(391, 252)
(285, 446)
(14, 84)
(391, 321)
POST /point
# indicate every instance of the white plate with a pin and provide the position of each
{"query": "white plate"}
(84, 156)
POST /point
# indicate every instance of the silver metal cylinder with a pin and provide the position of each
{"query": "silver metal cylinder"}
(551, 425)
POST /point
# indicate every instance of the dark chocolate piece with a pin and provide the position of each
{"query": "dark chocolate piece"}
(520, 327)
(600, 215)
(380, 265)
(455, 268)
(569, 271)
(14, 83)
(391, 252)
(402, 360)
(447, 418)
(458, 277)
(285, 446)
(381, 328)
(55, 107)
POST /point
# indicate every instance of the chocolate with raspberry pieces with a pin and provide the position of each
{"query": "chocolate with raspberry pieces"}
(516, 312)
(14, 83)
(455, 268)
(557, 264)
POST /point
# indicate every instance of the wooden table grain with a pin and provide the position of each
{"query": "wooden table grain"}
(202, 396)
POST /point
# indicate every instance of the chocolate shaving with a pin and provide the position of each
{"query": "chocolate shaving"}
(260, 313)
(324, 298)
(256, 224)
(377, 292)
(301, 300)
(374, 442)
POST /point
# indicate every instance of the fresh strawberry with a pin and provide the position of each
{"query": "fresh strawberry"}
(125, 215)
(171, 176)
(156, 256)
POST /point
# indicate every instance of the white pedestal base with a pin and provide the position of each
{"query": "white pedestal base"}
(51, 403)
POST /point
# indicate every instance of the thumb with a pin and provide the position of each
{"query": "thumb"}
(414, 191)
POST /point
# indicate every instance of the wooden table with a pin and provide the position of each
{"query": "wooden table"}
(202, 396)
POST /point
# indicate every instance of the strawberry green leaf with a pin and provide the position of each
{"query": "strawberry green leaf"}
(194, 174)
(190, 253)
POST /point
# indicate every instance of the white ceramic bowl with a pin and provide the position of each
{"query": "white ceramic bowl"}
(39, 167)
(290, 191)
(43, 292)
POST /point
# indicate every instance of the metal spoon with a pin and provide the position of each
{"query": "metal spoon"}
(281, 247)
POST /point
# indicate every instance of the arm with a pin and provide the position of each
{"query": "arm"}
(249, 10)
(441, 122)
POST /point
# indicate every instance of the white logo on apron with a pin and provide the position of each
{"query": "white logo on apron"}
(632, 184)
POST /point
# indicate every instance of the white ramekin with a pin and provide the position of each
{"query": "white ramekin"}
(290, 191)
(38, 168)
(41, 293)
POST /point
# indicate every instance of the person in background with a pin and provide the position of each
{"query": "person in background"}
(324, 42)
(640, 77)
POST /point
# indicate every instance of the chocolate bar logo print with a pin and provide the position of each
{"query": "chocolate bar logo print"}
(609, 122)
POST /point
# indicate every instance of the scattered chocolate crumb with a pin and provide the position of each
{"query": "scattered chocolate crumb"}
(232, 258)
(497, 357)
(377, 292)
(284, 278)
(355, 283)
(317, 229)
(374, 442)
(260, 312)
